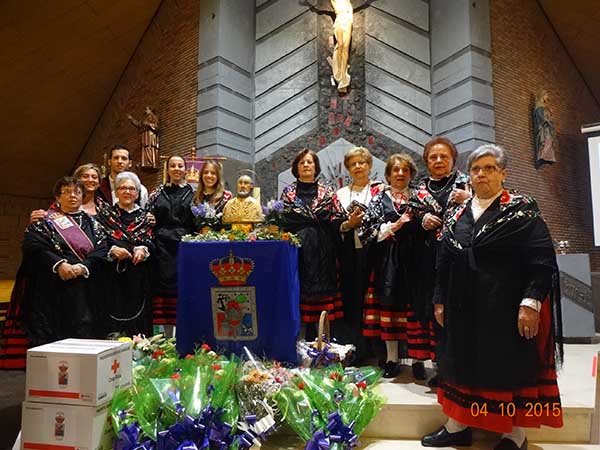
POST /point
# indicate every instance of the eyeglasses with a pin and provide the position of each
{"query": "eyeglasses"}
(75, 192)
(486, 169)
(127, 188)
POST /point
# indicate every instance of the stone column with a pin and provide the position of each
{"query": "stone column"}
(226, 83)
(462, 99)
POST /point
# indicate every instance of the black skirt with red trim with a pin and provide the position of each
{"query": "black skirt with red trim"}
(387, 322)
(421, 337)
(164, 311)
(13, 339)
(500, 410)
(311, 307)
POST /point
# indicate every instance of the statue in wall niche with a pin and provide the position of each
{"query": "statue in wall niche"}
(150, 142)
(343, 14)
(543, 130)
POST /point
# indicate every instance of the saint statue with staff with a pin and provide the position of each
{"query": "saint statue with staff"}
(150, 143)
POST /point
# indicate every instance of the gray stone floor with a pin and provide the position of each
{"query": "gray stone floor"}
(12, 393)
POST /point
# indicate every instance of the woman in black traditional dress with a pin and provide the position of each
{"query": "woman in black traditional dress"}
(211, 188)
(62, 256)
(356, 260)
(444, 188)
(312, 210)
(13, 341)
(389, 222)
(130, 244)
(171, 206)
(497, 298)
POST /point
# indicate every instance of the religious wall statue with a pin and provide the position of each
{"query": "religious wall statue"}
(243, 210)
(546, 144)
(150, 143)
(342, 29)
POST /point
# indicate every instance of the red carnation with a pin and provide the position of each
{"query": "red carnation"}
(188, 356)
(205, 347)
(361, 385)
(301, 385)
(216, 366)
(157, 353)
(176, 376)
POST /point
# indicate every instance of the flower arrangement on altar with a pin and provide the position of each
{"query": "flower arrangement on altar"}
(259, 234)
(206, 216)
(273, 212)
(211, 401)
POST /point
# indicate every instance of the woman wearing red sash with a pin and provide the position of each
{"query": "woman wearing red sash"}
(62, 255)
(497, 299)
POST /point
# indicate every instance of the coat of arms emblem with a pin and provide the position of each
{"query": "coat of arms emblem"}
(233, 302)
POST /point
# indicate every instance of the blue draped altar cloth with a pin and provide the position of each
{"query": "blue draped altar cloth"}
(230, 312)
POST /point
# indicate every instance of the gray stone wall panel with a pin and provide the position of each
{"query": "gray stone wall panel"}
(220, 73)
(277, 45)
(276, 15)
(405, 129)
(226, 99)
(461, 94)
(285, 111)
(288, 126)
(398, 88)
(399, 109)
(397, 137)
(415, 12)
(282, 93)
(286, 67)
(279, 144)
(394, 62)
(385, 29)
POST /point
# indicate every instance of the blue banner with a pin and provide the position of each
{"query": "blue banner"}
(236, 294)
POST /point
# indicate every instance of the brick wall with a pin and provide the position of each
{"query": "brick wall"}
(527, 55)
(14, 218)
(161, 74)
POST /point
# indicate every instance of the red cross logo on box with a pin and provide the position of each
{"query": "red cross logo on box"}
(115, 366)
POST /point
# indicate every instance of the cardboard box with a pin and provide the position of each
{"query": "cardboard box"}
(53, 426)
(77, 371)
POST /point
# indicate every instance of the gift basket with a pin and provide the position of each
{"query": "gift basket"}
(323, 352)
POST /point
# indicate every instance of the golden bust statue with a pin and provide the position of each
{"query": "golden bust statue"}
(243, 209)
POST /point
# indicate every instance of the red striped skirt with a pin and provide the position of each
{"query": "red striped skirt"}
(164, 311)
(13, 339)
(420, 337)
(386, 322)
(499, 411)
(311, 307)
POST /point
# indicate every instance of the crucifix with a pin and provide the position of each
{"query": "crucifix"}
(343, 18)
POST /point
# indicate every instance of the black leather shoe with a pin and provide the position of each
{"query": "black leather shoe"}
(441, 438)
(418, 370)
(391, 369)
(509, 444)
(434, 382)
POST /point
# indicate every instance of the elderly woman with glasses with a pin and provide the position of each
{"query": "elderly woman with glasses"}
(498, 302)
(62, 257)
(130, 245)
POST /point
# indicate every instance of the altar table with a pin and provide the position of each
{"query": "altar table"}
(239, 293)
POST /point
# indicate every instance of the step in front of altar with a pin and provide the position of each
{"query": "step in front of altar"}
(412, 410)
(281, 442)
